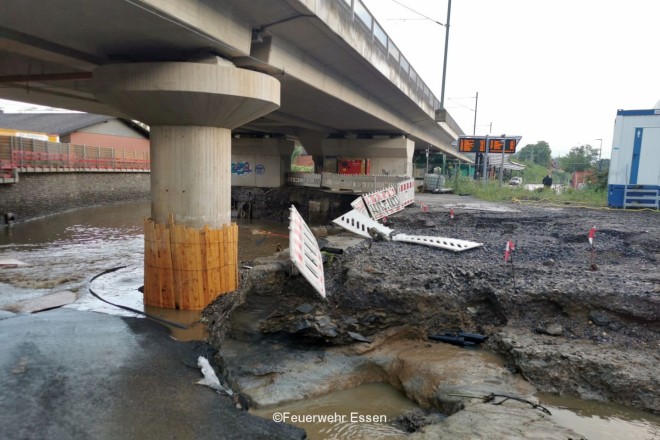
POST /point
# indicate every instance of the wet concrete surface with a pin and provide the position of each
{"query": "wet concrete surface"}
(67, 374)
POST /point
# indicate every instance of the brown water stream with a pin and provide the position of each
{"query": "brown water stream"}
(66, 250)
(344, 414)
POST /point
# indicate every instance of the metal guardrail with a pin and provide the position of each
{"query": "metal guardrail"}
(359, 183)
(304, 179)
(405, 77)
(344, 182)
(29, 155)
(640, 196)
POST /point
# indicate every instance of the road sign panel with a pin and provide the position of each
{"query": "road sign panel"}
(472, 144)
(477, 144)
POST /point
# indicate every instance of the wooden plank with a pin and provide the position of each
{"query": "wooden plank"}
(170, 299)
(221, 262)
(217, 267)
(226, 273)
(206, 273)
(233, 249)
(184, 270)
(197, 293)
(177, 265)
(165, 277)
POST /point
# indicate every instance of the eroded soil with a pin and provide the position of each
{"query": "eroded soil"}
(568, 318)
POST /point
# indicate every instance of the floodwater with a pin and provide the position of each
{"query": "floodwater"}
(602, 421)
(66, 250)
(364, 412)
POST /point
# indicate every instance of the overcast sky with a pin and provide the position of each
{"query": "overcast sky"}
(546, 70)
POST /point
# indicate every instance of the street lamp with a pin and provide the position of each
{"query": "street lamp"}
(600, 152)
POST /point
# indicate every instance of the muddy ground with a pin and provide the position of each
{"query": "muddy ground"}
(566, 319)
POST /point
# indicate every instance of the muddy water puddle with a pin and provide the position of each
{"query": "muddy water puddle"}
(64, 251)
(364, 412)
(338, 416)
(602, 421)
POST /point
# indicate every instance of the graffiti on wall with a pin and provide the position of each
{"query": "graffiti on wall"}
(240, 168)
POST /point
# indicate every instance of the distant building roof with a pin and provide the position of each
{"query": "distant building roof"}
(55, 123)
(495, 160)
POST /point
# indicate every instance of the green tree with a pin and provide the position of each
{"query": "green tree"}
(538, 153)
(580, 158)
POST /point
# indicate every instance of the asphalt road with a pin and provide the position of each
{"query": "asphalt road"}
(67, 374)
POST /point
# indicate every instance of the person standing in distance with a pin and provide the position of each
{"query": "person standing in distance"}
(547, 181)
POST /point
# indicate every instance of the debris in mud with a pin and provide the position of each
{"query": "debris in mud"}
(414, 420)
(46, 302)
(358, 337)
(10, 263)
(458, 338)
(210, 378)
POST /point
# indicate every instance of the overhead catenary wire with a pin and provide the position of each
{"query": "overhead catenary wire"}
(418, 13)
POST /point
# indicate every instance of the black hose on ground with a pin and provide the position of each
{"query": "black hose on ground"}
(492, 397)
(130, 309)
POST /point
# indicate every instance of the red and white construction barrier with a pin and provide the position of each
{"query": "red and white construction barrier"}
(405, 191)
(305, 253)
(452, 244)
(382, 203)
(359, 206)
(360, 224)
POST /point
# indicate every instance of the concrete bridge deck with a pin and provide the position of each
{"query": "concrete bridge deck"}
(340, 74)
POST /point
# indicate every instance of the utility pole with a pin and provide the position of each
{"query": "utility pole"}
(502, 163)
(476, 103)
(474, 127)
(600, 152)
(444, 64)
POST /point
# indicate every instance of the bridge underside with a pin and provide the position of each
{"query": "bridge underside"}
(197, 71)
(327, 87)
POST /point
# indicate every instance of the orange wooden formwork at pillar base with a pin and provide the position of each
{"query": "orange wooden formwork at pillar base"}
(187, 268)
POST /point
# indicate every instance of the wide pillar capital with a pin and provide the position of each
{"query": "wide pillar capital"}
(190, 247)
(216, 94)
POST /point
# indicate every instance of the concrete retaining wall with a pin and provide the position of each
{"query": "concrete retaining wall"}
(40, 194)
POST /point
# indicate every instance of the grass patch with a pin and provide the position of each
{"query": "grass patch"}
(493, 191)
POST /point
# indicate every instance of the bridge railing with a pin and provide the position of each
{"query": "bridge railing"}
(344, 182)
(29, 155)
(398, 69)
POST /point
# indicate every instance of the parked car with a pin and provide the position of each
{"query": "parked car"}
(515, 181)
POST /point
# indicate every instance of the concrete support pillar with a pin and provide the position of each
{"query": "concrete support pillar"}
(190, 245)
(188, 168)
